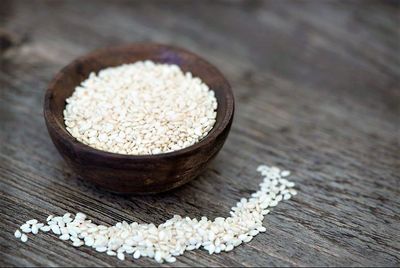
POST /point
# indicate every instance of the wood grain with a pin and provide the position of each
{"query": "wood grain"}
(317, 92)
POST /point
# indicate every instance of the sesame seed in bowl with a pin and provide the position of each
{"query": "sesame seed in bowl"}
(141, 108)
(141, 118)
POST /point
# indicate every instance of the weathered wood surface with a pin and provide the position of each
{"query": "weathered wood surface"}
(317, 92)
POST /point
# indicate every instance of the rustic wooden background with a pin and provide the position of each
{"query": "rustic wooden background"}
(317, 91)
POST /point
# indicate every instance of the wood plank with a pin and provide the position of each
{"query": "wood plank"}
(316, 86)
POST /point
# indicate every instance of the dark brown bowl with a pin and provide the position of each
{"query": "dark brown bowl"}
(137, 173)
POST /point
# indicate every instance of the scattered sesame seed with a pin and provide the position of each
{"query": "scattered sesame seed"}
(35, 229)
(292, 191)
(80, 216)
(111, 253)
(176, 235)
(64, 230)
(261, 229)
(290, 184)
(229, 247)
(77, 243)
(171, 259)
(136, 255)
(24, 238)
(247, 239)
(286, 196)
(55, 229)
(64, 237)
(26, 229)
(25, 226)
(17, 234)
(45, 228)
(121, 256)
(31, 222)
(101, 249)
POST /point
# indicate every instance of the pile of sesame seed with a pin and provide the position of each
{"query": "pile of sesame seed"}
(141, 108)
(177, 235)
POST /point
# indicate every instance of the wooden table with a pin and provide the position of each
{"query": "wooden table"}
(317, 92)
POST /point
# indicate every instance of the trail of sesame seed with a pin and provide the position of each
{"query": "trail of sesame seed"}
(175, 236)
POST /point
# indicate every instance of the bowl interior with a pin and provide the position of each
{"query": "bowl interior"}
(72, 75)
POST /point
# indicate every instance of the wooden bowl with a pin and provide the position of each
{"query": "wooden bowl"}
(137, 173)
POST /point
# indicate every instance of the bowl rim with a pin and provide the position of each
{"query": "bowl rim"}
(53, 123)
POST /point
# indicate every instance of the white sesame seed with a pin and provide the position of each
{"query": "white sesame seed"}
(64, 237)
(31, 222)
(261, 229)
(253, 232)
(57, 219)
(137, 254)
(265, 211)
(25, 226)
(64, 230)
(242, 237)
(129, 250)
(247, 239)
(290, 184)
(101, 249)
(292, 192)
(51, 223)
(89, 241)
(287, 196)
(237, 242)
(176, 235)
(285, 173)
(121, 256)
(35, 229)
(170, 259)
(229, 247)
(45, 228)
(211, 249)
(17, 234)
(77, 243)
(26, 229)
(74, 239)
(55, 229)
(274, 203)
(190, 247)
(80, 216)
(157, 257)
(67, 220)
(24, 238)
(111, 253)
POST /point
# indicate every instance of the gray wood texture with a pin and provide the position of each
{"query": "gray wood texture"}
(317, 92)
